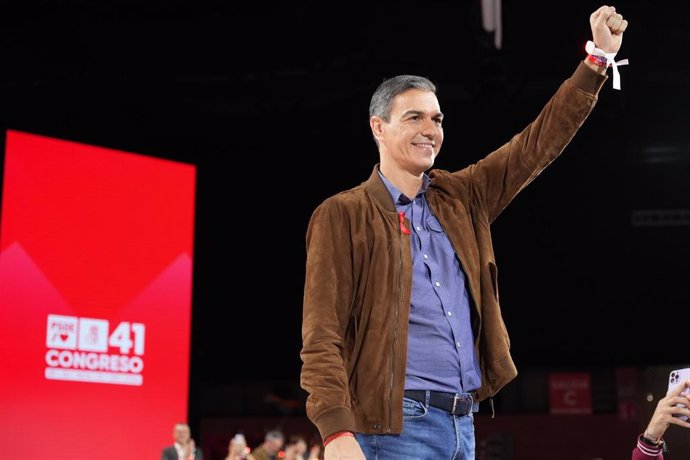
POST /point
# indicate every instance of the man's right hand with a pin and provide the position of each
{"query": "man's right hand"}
(343, 448)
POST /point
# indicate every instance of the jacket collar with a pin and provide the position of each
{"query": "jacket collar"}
(375, 187)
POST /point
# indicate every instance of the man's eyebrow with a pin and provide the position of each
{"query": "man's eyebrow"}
(420, 112)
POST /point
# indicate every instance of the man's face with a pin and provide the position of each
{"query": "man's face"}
(181, 434)
(412, 138)
(275, 444)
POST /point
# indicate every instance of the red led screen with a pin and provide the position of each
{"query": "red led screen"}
(96, 251)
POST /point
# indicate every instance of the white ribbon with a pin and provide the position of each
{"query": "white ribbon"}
(591, 48)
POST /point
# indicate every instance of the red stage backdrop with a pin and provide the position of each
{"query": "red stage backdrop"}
(96, 253)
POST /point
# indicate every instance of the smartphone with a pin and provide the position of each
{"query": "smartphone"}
(674, 379)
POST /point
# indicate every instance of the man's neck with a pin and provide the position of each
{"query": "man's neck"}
(407, 183)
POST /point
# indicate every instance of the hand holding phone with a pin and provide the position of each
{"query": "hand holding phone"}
(675, 378)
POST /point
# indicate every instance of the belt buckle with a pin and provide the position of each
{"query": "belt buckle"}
(455, 402)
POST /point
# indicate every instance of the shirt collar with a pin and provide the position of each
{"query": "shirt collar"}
(398, 196)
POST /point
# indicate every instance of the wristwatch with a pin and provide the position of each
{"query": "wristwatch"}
(660, 443)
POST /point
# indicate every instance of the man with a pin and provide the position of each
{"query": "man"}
(402, 334)
(184, 447)
(269, 448)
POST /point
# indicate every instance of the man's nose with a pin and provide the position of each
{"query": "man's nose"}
(430, 128)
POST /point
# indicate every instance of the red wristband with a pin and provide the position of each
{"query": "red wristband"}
(598, 60)
(339, 434)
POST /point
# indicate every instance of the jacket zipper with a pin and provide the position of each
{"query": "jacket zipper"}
(395, 327)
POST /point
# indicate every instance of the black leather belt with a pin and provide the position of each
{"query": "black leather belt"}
(456, 404)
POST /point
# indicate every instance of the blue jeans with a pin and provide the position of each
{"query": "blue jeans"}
(428, 434)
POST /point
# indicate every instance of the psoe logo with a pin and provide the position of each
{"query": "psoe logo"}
(78, 350)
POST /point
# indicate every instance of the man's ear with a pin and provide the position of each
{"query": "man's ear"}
(376, 124)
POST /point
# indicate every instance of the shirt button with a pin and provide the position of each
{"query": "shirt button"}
(437, 284)
(426, 256)
(457, 344)
(418, 228)
(450, 313)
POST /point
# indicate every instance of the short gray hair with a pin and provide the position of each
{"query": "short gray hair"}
(382, 99)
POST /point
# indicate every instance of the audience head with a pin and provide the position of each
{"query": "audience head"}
(237, 446)
(181, 433)
(274, 440)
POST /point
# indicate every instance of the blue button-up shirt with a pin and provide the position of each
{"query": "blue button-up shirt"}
(440, 350)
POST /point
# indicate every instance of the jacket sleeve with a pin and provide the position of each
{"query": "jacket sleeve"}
(497, 178)
(328, 296)
(644, 452)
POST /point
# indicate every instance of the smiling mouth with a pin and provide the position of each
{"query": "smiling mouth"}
(425, 146)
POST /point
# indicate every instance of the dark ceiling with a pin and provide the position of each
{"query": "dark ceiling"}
(270, 102)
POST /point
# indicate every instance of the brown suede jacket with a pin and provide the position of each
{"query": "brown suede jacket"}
(359, 272)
